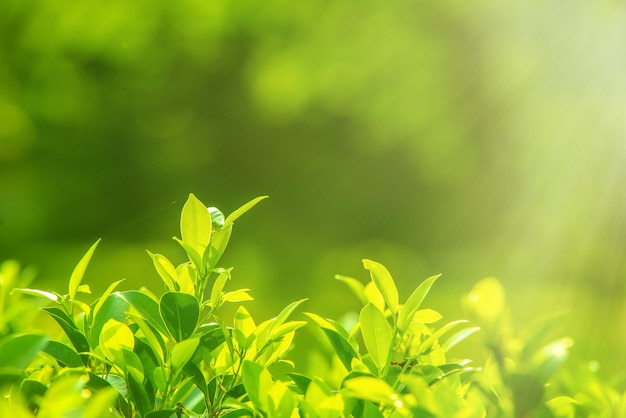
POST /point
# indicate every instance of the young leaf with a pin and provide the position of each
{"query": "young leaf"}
(103, 298)
(186, 277)
(244, 327)
(458, 337)
(218, 288)
(147, 307)
(114, 338)
(218, 245)
(371, 389)
(180, 313)
(166, 271)
(384, 282)
(355, 286)
(79, 270)
(193, 255)
(243, 209)
(113, 307)
(257, 381)
(182, 353)
(414, 302)
(377, 334)
(196, 224)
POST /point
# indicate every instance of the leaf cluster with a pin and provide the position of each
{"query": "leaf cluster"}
(132, 353)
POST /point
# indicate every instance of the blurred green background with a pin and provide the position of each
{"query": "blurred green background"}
(463, 138)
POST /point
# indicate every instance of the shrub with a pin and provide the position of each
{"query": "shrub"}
(132, 353)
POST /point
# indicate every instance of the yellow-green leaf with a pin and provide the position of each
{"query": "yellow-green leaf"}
(79, 270)
(114, 338)
(196, 224)
(384, 282)
(243, 209)
(377, 334)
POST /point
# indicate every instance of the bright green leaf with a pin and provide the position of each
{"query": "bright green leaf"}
(218, 245)
(114, 307)
(240, 295)
(114, 338)
(377, 334)
(243, 209)
(257, 381)
(384, 282)
(182, 353)
(40, 293)
(103, 298)
(458, 337)
(371, 389)
(196, 224)
(414, 302)
(147, 307)
(79, 270)
(426, 316)
(355, 286)
(166, 271)
(186, 277)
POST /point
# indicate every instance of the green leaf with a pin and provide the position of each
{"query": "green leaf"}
(78, 339)
(18, 350)
(356, 286)
(166, 271)
(211, 336)
(414, 302)
(180, 313)
(458, 337)
(147, 307)
(384, 282)
(302, 381)
(243, 209)
(196, 376)
(257, 381)
(244, 327)
(65, 355)
(377, 334)
(103, 298)
(186, 276)
(342, 347)
(196, 224)
(79, 270)
(139, 396)
(428, 344)
(115, 337)
(371, 389)
(285, 329)
(113, 307)
(218, 245)
(218, 287)
(426, 316)
(182, 352)
(193, 255)
(39, 293)
(240, 295)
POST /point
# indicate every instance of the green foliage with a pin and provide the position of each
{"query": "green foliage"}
(135, 354)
